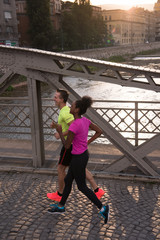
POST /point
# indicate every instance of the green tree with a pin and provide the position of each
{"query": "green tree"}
(41, 29)
(80, 30)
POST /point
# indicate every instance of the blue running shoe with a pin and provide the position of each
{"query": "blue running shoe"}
(56, 210)
(53, 205)
(105, 213)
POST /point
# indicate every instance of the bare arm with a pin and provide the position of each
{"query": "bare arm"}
(97, 130)
(67, 143)
(54, 125)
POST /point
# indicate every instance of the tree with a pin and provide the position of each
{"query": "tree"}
(80, 29)
(41, 29)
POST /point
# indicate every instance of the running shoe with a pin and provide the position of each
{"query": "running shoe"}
(56, 210)
(100, 193)
(105, 213)
(54, 196)
(53, 205)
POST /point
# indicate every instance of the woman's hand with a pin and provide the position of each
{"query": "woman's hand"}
(59, 128)
(57, 135)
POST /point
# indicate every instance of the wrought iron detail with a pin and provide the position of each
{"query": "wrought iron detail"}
(41, 66)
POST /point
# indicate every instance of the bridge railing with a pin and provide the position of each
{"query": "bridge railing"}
(50, 68)
(137, 121)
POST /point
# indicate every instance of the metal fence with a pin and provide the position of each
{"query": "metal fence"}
(136, 121)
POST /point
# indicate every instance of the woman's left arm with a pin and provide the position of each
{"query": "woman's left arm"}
(97, 130)
(69, 140)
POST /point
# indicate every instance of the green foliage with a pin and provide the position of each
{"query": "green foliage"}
(149, 52)
(80, 29)
(9, 89)
(116, 59)
(41, 29)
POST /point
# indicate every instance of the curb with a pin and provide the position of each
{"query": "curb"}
(105, 175)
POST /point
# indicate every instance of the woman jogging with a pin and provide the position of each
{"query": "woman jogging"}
(77, 136)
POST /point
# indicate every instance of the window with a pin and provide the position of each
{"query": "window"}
(7, 15)
(9, 29)
(6, 1)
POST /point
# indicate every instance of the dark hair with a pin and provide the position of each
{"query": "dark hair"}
(63, 94)
(84, 104)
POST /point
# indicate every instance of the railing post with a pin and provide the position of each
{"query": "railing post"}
(34, 93)
(136, 124)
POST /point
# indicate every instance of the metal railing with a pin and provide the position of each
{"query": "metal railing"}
(137, 121)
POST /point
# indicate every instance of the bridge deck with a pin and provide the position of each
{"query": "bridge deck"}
(17, 155)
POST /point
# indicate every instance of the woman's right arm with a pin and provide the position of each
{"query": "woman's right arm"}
(66, 143)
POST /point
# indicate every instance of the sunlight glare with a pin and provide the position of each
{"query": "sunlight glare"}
(123, 2)
(120, 2)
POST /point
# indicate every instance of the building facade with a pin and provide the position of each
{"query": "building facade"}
(157, 14)
(8, 23)
(129, 27)
(96, 11)
(157, 6)
(55, 13)
(150, 23)
(23, 23)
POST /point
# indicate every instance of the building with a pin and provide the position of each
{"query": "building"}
(23, 23)
(157, 14)
(8, 23)
(150, 22)
(96, 11)
(23, 20)
(128, 27)
(157, 6)
(55, 13)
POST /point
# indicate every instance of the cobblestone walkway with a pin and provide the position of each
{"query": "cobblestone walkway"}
(134, 213)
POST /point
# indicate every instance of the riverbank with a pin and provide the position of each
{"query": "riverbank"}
(121, 50)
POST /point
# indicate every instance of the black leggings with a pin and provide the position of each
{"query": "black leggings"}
(77, 171)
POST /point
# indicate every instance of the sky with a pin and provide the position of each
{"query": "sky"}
(119, 2)
(123, 2)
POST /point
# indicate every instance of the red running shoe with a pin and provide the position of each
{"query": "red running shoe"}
(100, 193)
(54, 196)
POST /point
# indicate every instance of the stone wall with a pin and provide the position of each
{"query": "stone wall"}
(107, 52)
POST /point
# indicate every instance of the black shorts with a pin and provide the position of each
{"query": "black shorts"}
(65, 156)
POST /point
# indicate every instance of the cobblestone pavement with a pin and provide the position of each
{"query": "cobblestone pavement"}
(134, 210)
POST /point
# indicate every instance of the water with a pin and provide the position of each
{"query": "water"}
(107, 91)
(145, 58)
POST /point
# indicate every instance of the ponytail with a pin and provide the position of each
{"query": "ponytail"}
(84, 104)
